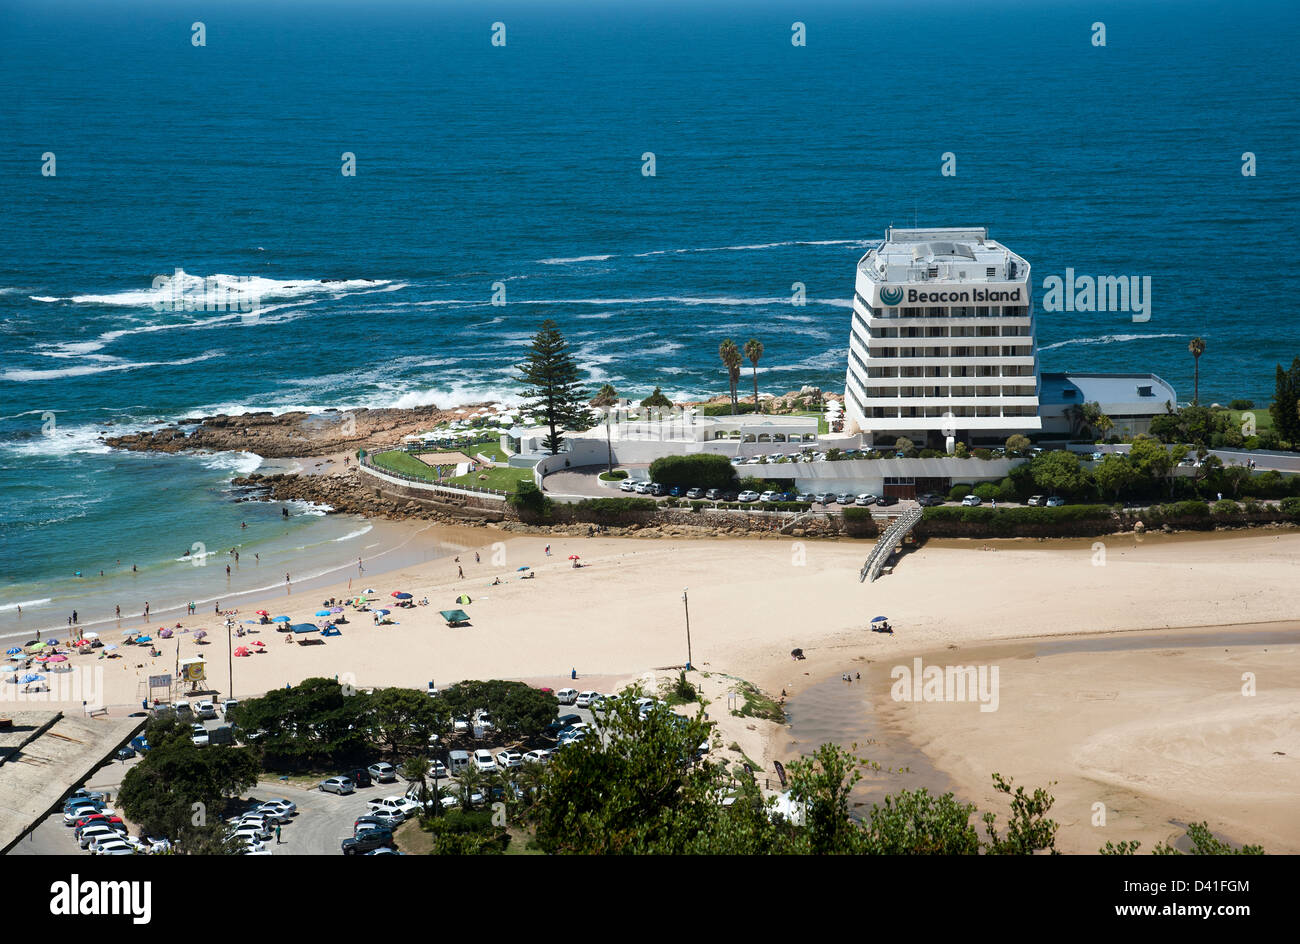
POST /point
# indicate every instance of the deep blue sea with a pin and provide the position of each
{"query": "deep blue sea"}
(522, 164)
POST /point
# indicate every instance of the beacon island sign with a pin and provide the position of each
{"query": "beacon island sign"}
(1008, 294)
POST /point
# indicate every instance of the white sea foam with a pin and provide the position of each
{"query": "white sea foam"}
(25, 604)
(577, 259)
(1111, 339)
(23, 376)
(240, 463)
(355, 534)
(44, 298)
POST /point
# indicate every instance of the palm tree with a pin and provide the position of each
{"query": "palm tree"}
(754, 352)
(731, 359)
(1196, 347)
(468, 782)
(606, 397)
(416, 770)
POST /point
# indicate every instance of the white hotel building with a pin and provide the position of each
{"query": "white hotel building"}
(942, 345)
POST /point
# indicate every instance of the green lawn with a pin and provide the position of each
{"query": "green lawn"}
(503, 478)
(405, 463)
(1263, 418)
(823, 427)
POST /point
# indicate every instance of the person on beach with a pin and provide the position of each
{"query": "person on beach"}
(133, 568)
(460, 571)
(476, 557)
(548, 550)
(217, 608)
(227, 570)
(117, 611)
(146, 609)
(286, 577)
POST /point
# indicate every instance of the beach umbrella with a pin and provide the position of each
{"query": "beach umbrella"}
(241, 651)
(58, 658)
(90, 635)
(149, 638)
(281, 619)
(263, 613)
(22, 679)
(573, 557)
(13, 652)
(336, 609)
(110, 648)
(259, 643)
(383, 612)
(525, 567)
(463, 599)
(37, 646)
(165, 633)
(402, 596)
(252, 622)
(200, 633)
(368, 590)
(305, 628)
(324, 612)
(880, 619)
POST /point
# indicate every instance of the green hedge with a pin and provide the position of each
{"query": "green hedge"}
(606, 510)
(1010, 522)
(1291, 508)
(703, 470)
(724, 409)
(615, 476)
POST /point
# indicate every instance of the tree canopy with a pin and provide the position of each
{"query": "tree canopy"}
(553, 386)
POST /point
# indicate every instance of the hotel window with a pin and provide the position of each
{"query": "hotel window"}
(990, 272)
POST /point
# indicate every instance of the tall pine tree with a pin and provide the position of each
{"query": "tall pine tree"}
(1286, 403)
(554, 389)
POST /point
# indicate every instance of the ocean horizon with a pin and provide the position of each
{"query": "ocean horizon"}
(517, 172)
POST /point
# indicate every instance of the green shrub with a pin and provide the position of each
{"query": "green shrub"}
(724, 409)
(1241, 405)
(614, 476)
(958, 492)
(531, 501)
(1291, 508)
(986, 491)
(704, 470)
(1225, 507)
(607, 510)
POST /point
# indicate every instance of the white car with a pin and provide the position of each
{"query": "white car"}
(747, 496)
(227, 705)
(866, 498)
(437, 770)
(112, 847)
(91, 833)
(970, 501)
(250, 831)
(585, 699)
(287, 807)
(537, 757)
(767, 497)
(507, 759)
(390, 818)
(484, 762)
(566, 696)
(642, 488)
(627, 485)
(399, 806)
(205, 710)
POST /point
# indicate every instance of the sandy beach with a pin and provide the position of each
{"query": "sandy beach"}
(620, 617)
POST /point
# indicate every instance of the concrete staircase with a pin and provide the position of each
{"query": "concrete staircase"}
(897, 530)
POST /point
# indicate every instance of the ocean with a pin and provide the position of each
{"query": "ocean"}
(484, 169)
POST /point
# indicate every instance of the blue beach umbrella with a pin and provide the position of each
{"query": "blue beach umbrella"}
(281, 619)
(383, 612)
(402, 596)
(305, 628)
(13, 652)
(525, 567)
(324, 613)
(880, 619)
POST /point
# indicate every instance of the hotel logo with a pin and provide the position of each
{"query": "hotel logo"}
(891, 296)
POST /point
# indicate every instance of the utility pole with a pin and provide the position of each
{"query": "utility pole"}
(230, 658)
(687, 605)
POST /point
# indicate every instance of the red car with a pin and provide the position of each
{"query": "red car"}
(85, 821)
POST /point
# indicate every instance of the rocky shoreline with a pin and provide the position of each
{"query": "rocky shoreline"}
(292, 435)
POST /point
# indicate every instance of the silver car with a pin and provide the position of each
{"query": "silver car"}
(340, 785)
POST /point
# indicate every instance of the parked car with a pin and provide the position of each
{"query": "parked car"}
(340, 785)
(770, 496)
(970, 501)
(729, 496)
(1096, 457)
(887, 500)
(360, 776)
(560, 723)
(566, 696)
(484, 762)
(713, 494)
(96, 831)
(929, 500)
(368, 841)
(118, 846)
(658, 491)
(383, 772)
(585, 699)
(642, 488)
(806, 497)
(627, 485)
(125, 753)
(826, 498)
(748, 496)
(280, 811)
(537, 757)
(507, 759)
(845, 498)
(1036, 500)
(227, 705)
(1056, 501)
(399, 805)
(866, 498)
(695, 493)
(205, 711)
